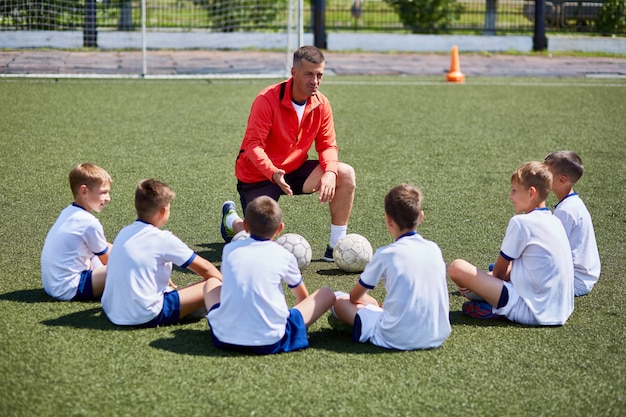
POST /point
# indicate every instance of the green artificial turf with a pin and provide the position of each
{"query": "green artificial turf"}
(458, 143)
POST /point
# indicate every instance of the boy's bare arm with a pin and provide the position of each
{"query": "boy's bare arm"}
(359, 295)
(104, 258)
(204, 268)
(300, 292)
(502, 269)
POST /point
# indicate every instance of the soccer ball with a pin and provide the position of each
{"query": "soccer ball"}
(469, 294)
(352, 252)
(240, 236)
(297, 245)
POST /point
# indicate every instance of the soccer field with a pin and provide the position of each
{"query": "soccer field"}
(458, 143)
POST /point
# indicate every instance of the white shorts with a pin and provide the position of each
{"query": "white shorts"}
(365, 323)
(516, 309)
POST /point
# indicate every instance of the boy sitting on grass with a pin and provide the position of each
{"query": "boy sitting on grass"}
(532, 281)
(248, 312)
(75, 252)
(416, 310)
(567, 168)
(140, 265)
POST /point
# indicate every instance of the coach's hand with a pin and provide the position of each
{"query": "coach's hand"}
(279, 178)
(327, 186)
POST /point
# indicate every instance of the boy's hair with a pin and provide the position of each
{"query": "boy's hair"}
(88, 174)
(403, 203)
(566, 163)
(534, 174)
(308, 53)
(150, 196)
(263, 216)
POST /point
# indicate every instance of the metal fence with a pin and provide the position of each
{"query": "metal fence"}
(467, 17)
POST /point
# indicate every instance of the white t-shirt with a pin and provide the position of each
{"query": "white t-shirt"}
(73, 240)
(582, 239)
(139, 269)
(253, 310)
(542, 271)
(416, 308)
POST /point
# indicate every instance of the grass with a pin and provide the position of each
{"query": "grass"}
(459, 143)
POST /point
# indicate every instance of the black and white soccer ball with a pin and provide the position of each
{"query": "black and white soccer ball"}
(297, 245)
(352, 252)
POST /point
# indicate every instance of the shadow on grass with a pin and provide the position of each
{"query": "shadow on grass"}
(192, 342)
(335, 271)
(92, 318)
(95, 319)
(457, 318)
(212, 251)
(198, 343)
(35, 295)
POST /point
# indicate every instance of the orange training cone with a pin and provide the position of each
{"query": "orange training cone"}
(455, 75)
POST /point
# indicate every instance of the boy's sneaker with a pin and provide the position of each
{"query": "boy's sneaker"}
(481, 310)
(328, 255)
(227, 232)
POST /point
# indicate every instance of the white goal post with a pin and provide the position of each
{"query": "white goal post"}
(158, 25)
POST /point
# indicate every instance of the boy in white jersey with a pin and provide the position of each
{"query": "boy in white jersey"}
(75, 252)
(140, 265)
(532, 281)
(416, 309)
(567, 168)
(249, 312)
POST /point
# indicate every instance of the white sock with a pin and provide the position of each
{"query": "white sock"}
(335, 233)
(230, 219)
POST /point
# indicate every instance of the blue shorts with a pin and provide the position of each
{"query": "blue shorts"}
(84, 292)
(170, 313)
(295, 337)
(295, 179)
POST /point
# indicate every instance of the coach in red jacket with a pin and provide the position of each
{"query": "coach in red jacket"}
(286, 119)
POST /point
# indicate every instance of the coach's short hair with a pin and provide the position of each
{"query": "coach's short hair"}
(308, 53)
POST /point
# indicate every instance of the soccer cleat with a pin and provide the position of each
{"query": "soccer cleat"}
(227, 232)
(328, 255)
(481, 310)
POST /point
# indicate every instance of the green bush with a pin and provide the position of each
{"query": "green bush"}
(427, 16)
(612, 17)
(236, 15)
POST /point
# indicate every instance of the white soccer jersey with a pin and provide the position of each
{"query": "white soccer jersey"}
(253, 310)
(582, 239)
(542, 271)
(416, 308)
(139, 269)
(76, 236)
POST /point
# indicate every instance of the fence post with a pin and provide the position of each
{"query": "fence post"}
(540, 42)
(319, 24)
(90, 32)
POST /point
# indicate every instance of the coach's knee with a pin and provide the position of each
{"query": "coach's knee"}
(346, 178)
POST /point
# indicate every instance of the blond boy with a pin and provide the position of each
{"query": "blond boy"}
(75, 251)
(532, 281)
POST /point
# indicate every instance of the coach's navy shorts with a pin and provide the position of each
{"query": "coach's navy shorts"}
(295, 179)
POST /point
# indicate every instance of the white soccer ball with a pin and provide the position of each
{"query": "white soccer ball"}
(297, 245)
(240, 236)
(352, 252)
